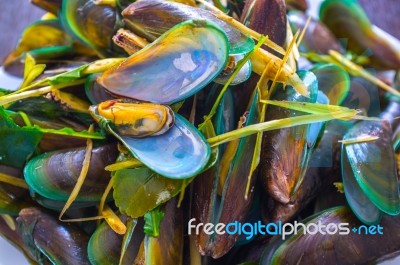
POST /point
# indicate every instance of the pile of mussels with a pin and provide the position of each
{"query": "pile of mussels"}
(143, 130)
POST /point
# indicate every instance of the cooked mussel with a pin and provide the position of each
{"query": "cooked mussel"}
(81, 18)
(282, 177)
(48, 238)
(346, 19)
(54, 174)
(166, 14)
(183, 60)
(340, 247)
(137, 119)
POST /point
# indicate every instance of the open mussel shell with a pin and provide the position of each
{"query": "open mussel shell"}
(344, 247)
(181, 152)
(373, 164)
(82, 19)
(362, 207)
(172, 68)
(333, 80)
(346, 19)
(48, 238)
(166, 14)
(53, 175)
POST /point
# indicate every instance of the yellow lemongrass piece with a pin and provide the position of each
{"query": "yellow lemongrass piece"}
(9, 221)
(82, 175)
(48, 16)
(339, 186)
(358, 70)
(112, 3)
(130, 163)
(359, 139)
(13, 181)
(262, 59)
(245, 30)
(303, 31)
(313, 108)
(71, 101)
(104, 197)
(35, 93)
(114, 222)
(102, 65)
(295, 55)
(279, 124)
(285, 58)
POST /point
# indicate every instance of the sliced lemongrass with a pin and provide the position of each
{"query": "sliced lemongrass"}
(312, 108)
(129, 163)
(82, 175)
(104, 197)
(114, 221)
(279, 124)
(358, 70)
(37, 92)
(13, 181)
(9, 220)
(112, 3)
(360, 139)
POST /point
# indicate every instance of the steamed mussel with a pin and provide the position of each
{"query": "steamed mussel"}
(191, 138)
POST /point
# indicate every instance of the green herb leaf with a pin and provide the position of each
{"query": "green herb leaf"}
(139, 190)
(67, 77)
(152, 222)
(16, 144)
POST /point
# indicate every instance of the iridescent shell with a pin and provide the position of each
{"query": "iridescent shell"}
(347, 20)
(181, 152)
(53, 175)
(82, 19)
(172, 68)
(373, 165)
(166, 14)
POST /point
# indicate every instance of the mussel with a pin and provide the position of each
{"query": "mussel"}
(346, 246)
(48, 238)
(54, 174)
(346, 19)
(183, 60)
